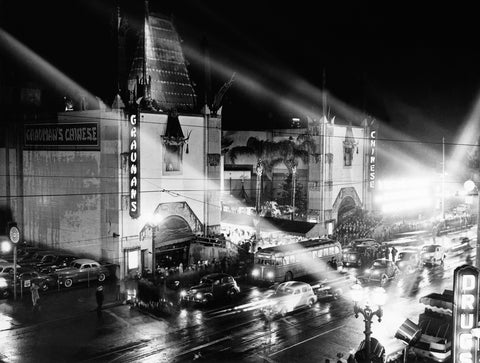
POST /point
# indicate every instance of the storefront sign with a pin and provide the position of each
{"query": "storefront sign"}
(134, 166)
(465, 313)
(62, 136)
(372, 159)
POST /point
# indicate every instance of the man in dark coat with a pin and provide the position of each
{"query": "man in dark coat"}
(99, 297)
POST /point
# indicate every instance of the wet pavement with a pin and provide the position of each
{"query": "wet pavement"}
(67, 328)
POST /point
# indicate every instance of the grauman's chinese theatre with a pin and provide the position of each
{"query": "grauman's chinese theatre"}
(131, 185)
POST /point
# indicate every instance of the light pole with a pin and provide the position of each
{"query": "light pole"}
(470, 186)
(378, 300)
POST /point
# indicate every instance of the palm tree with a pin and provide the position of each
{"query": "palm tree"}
(289, 153)
(265, 152)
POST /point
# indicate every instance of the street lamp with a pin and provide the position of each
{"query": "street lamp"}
(470, 186)
(375, 301)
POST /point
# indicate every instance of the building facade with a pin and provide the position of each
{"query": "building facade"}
(338, 177)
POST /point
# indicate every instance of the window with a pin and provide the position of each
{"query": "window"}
(304, 289)
(314, 254)
(297, 291)
(172, 159)
(86, 266)
(331, 251)
(320, 253)
(337, 249)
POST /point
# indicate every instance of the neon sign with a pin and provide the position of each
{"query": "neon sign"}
(465, 313)
(134, 166)
(372, 159)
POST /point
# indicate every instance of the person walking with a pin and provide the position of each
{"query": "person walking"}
(35, 296)
(99, 297)
(394, 253)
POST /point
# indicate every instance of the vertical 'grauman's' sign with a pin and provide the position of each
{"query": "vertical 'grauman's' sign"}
(372, 159)
(465, 313)
(134, 166)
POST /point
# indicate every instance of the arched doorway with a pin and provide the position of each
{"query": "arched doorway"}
(170, 241)
(347, 208)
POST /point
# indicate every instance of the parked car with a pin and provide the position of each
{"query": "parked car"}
(25, 278)
(382, 270)
(408, 260)
(7, 268)
(433, 255)
(59, 261)
(212, 287)
(288, 296)
(80, 270)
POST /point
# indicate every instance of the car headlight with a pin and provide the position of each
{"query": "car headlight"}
(376, 272)
(3, 282)
(270, 275)
(198, 295)
(401, 264)
(367, 271)
(352, 258)
(255, 273)
(183, 293)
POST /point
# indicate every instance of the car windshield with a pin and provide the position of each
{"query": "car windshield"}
(405, 255)
(379, 264)
(429, 249)
(206, 281)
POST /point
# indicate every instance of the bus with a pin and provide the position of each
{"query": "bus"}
(286, 262)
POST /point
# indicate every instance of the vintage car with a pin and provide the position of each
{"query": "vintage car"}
(6, 268)
(382, 271)
(58, 261)
(408, 260)
(25, 278)
(212, 287)
(360, 254)
(80, 270)
(288, 296)
(434, 254)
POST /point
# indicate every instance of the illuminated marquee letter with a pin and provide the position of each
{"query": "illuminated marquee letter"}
(134, 166)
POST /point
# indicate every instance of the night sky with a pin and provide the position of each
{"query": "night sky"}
(415, 68)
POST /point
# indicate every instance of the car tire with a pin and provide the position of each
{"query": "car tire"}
(101, 277)
(310, 303)
(288, 276)
(68, 283)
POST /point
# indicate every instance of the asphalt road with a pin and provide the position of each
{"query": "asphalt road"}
(68, 329)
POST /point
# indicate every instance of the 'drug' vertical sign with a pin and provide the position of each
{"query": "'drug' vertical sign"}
(465, 313)
(134, 164)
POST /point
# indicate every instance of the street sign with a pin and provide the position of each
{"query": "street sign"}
(14, 234)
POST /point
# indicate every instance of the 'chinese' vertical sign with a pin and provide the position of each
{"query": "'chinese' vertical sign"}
(134, 165)
(372, 159)
(465, 313)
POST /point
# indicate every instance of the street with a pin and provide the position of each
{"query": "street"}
(67, 328)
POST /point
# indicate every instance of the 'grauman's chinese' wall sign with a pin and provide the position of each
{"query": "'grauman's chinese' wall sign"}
(372, 159)
(62, 136)
(134, 166)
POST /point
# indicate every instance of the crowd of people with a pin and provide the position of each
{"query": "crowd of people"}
(360, 225)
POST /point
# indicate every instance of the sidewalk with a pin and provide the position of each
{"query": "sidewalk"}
(55, 305)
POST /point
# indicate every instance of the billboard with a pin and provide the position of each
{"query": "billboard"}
(465, 313)
(134, 165)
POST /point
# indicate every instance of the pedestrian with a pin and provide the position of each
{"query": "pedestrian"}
(394, 253)
(35, 296)
(180, 268)
(99, 297)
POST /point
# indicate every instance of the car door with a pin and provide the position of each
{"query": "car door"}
(84, 272)
(217, 288)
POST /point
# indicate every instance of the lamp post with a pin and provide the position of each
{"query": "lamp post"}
(470, 186)
(367, 311)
